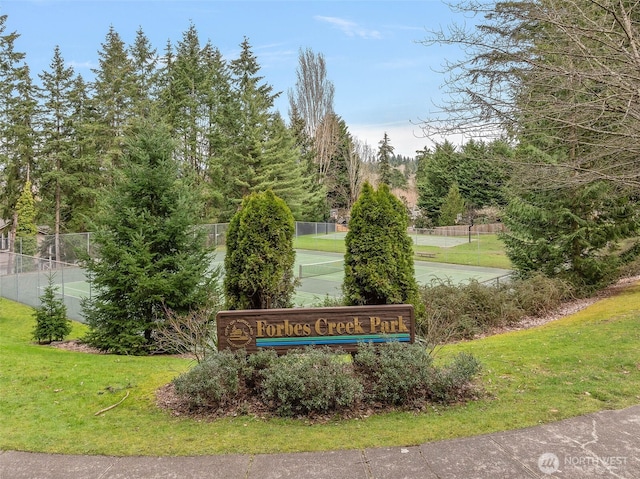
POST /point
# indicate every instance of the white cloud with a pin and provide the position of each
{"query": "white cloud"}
(406, 137)
(82, 65)
(349, 28)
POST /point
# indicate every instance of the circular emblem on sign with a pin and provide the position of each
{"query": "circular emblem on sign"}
(239, 333)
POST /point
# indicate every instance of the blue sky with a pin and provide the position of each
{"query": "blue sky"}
(385, 80)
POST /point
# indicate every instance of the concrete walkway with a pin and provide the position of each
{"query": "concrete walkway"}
(600, 445)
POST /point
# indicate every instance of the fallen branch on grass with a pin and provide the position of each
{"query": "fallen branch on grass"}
(112, 406)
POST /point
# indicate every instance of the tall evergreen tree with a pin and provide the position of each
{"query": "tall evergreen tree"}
(452, 206)
(284, 173)
(151, 255)
(477, 168)
(253, 100)
(85, 176)
(26, 229)
(56, 131)
(337, 176)
(261, 151)
(183, 98)
(17, 137)
(436, 176)
(311, 210)
(114, 87)
(385, 153)
(144, 60)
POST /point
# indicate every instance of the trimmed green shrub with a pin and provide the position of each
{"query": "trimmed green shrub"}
(452, 382)
(317, 381)
(260, 255)
(215, 382)
(257, 364)
(394, 373)
(378, 263)
(310, 381)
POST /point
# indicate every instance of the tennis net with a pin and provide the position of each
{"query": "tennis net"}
(319, 269)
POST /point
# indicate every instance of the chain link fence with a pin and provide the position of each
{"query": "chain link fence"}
(24, 277)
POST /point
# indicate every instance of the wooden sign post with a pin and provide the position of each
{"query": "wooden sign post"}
(339, 327)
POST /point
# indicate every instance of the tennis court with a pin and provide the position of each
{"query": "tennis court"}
(329, 282)
(321, 275)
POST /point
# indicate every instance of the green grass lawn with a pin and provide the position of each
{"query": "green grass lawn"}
(583, 363)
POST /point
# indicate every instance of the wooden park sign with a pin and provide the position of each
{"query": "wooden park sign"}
(338, 327)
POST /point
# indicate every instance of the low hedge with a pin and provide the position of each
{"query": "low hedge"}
(324, 381)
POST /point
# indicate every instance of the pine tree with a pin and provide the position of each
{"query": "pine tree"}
(56, 138)
(284, 173)
(452, 206)
(250, 114)
(571, 233)
(261, 153)
(52, 323)
(436, 177)
(260, 255)
(84, 173)
(385, 152)
(183, 98)
(379, 252)
(26, 229)
(114, 85)
(18, 107)
(151, 255)
(336, 176)
(311, 210)
(144, 60)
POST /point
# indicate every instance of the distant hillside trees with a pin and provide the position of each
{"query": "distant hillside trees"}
(478, 169)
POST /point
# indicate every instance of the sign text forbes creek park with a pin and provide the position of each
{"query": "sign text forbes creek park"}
(338, 327)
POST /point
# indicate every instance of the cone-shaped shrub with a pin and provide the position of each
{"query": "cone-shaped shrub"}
(260, 255)
(379, 252)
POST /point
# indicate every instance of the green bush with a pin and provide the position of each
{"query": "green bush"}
(540, 294)
(257, 364)
(310, 381)
(215, 382)
(461, 311)
(451, 383)
(323, 381)
(394, 373)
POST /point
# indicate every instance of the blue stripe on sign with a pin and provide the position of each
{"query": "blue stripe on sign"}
(317, 340)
